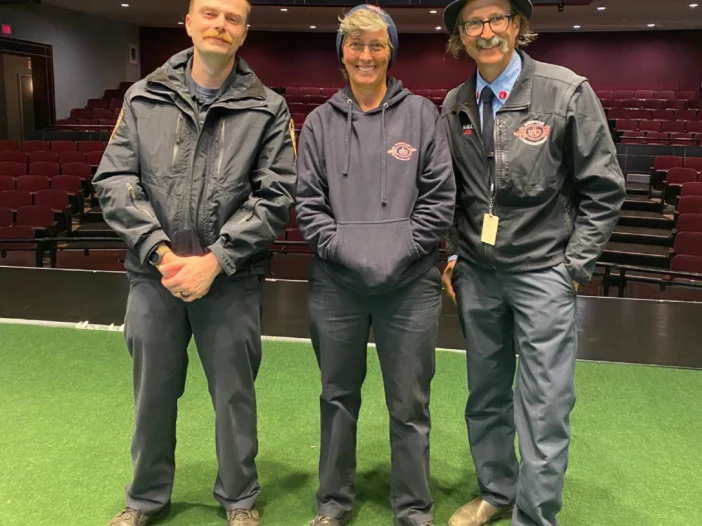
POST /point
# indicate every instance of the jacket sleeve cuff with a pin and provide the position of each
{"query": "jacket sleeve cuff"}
(578, 273)
(150, 243)
(225, 260)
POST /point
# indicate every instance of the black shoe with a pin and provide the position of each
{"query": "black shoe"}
(131, 517)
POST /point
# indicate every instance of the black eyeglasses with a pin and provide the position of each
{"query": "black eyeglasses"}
(475, 27)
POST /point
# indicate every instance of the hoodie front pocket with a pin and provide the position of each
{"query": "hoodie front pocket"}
(377, 251)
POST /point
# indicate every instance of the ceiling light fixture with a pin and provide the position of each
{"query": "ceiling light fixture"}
(601, 8)
(438, 28)
(180, 23)
(313, 27)
(125, 5)
(694, 5)
(433, 12)
(576, 27)
(651, 25)
(283, 9)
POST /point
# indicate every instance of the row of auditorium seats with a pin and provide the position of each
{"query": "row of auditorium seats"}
(623, 94)
(687, 247)
(654, 115)
(684, 169)
(92, 158)
(52, 146)
(649, 104)
(662, 138)
(47, 169)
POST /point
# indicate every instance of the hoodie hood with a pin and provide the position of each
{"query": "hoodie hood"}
(345, 102)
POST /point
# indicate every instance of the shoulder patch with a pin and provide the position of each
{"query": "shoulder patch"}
(291, 129)
(119, 121)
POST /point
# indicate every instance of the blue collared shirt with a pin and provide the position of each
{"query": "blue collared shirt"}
(501, 87)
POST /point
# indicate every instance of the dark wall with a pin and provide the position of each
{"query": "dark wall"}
(647, 58)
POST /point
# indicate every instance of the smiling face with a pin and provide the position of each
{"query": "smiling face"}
(489, 44)
(217, 27)
(366, 58)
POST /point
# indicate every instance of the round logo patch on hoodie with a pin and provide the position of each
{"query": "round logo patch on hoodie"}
(402, 151)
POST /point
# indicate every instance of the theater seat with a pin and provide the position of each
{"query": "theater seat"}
(15, 199)
(44, 168)
(692, 188)
(685, 263)
(690, 204)
(688, 243)
(686, 95)
(693, 162)
(633, 137)
(71, 157)
(35, 146)
(80, 113)
(686, 115)
(643, 94)
(7, 183)
(682, 139)
(673, 126)
(657, 137)
(9, 145)
(674, 104)
(646, 125)
(5, 216)
(43, 157)
(19, 232)
(627, 125)
(91, 146)
(33, 183)
(13, 156)
(13, 169)
(96, 103)
(81, 170)
(666, 162)
(665, 95)
(653, 104)
(101, 114)
(40, 218)
(94, 158)
(689, 223)
(63, 146)
(674, 180)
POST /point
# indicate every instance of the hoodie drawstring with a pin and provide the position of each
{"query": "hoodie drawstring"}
(349, 124)
(383, 176)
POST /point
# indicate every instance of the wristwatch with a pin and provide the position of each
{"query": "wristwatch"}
(157, 254)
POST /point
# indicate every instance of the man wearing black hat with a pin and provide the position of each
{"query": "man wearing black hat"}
(538, 195)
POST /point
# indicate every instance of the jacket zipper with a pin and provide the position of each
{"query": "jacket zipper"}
(566, 213)
(176, 147)
(221, 148)
(132, 193)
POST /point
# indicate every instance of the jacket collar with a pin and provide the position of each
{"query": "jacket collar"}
(172, 77)
(519, 98)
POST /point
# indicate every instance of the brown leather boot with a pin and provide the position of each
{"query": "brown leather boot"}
(131, 517)
(478, 513)
(243, 518)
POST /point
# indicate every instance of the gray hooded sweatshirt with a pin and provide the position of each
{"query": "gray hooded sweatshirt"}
(375, 190)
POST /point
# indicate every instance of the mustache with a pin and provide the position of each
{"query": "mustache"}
(484, 43)
(211, 33)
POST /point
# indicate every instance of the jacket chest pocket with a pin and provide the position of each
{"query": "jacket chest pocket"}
(530, 164)
(236, 146)
(163, 139)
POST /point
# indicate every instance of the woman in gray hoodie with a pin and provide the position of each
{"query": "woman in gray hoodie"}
(375, 197)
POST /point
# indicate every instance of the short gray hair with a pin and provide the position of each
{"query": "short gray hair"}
(358, 22)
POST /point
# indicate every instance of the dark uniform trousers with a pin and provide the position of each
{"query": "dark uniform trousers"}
(226, 326)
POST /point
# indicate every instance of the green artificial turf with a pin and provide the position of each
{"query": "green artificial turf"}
(66, 418)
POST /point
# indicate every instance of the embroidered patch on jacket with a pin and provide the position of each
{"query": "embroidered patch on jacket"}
(402, 151)
(468, 129)
(533, 133)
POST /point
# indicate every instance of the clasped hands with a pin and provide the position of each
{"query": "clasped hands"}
(188, 278)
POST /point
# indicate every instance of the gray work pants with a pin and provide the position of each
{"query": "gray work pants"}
(226, 327)
(538, 308)
(405, 324)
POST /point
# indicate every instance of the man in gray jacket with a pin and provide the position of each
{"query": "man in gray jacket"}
(539, 193)
(198, 180)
